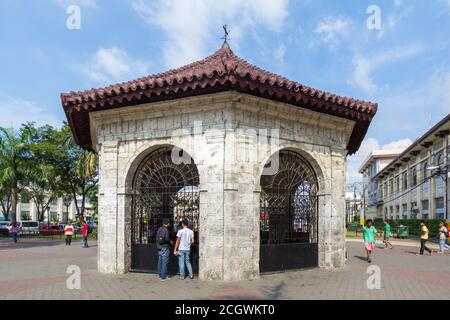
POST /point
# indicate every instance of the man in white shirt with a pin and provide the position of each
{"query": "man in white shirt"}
(182, 249)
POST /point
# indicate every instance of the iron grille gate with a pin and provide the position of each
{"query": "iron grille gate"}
(163, 190)
(289, 216)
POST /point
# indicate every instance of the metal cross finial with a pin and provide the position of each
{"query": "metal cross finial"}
(227, 32)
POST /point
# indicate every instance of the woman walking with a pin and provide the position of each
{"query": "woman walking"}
(369, 234)
(443, 235)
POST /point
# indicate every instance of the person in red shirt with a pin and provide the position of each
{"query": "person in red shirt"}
(85, 232)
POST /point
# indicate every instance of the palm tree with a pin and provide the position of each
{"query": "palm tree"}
(14, 152)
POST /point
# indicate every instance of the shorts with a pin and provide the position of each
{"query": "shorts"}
(387, 239)
(369, 246)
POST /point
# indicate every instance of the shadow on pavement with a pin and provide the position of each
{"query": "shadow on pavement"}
(8, 244)
(360, 258)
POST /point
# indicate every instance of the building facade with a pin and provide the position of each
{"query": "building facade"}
(254, 161)
(414, 184)
(374, 163)
(353, 204)
(59, 210)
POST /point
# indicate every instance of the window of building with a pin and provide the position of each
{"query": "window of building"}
(414, 176)
(439, 185)
(426, 184)
(53, 215)
(425, 209)
(440, 214)
(386, 213)
(405, 181)
(425, 170)
(25, 215)
(397, 183)
(414, 211)
(24, 200)
(405, 210)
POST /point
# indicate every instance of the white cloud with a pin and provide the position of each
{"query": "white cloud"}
(113, 65)
(16, 111)
(194, 27)
(399, 144)
(333, 30)
(364, 67)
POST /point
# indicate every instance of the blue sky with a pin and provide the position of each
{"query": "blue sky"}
(404, 66)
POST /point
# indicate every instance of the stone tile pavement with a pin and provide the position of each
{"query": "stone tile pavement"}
(37, 270)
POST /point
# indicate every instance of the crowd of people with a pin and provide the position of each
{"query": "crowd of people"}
(369, 237)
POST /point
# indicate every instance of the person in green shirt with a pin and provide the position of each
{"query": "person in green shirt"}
(369, 236)
(387, 235)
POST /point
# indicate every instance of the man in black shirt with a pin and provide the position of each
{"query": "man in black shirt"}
(163, 244)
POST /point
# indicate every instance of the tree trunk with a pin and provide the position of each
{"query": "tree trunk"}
(13, 205)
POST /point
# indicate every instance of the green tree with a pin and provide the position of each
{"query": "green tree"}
(5, 200)
(14, 166)
(43, 187)
(75, 168)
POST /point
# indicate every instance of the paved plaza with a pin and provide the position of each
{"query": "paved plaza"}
(36, 269)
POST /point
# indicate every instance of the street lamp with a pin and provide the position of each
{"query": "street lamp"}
(67, 202)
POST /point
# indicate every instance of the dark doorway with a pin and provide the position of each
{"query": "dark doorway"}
(165, 187)
(289, 215)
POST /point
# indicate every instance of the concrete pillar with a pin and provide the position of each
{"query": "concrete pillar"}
(109, 255)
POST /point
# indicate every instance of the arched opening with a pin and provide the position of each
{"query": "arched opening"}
(165, 186)
(288, 214)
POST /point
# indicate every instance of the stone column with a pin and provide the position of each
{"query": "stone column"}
(332, 214)
(211, 257)
(241, 232)
(108, 240)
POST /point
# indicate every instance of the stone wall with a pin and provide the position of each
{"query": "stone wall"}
(230, 137)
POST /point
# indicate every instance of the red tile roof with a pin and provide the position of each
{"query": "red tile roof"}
(222, 71)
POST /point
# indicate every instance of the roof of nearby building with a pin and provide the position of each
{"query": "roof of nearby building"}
(379, 154)
(222, 71)
(441, 128)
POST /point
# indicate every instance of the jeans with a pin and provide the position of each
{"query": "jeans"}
(184, 258)
(68, 240)
(14, 237)
(163, 262)
(85, 242)
(423, 246)
(443, 245)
